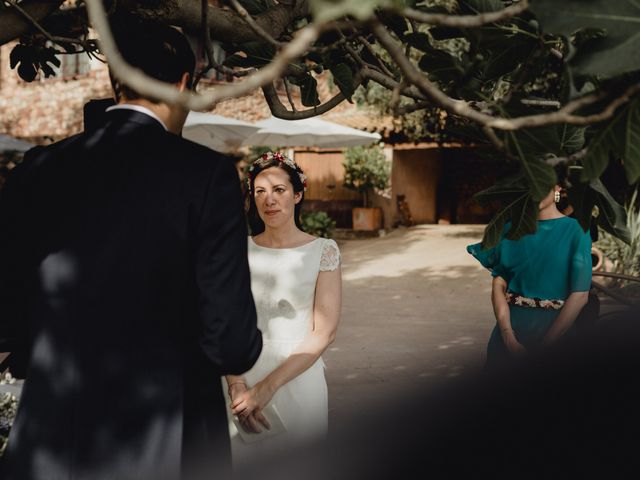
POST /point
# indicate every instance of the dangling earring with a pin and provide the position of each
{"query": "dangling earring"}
(556, 196)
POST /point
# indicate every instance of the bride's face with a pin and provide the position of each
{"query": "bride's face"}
(274, 197)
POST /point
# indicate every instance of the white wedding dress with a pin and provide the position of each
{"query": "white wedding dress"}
(283, 282)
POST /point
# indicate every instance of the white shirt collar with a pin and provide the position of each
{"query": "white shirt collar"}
(137, 108)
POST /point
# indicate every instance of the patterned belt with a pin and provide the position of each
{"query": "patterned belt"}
(521, 301)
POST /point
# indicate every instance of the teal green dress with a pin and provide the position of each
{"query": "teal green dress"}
(549, 264)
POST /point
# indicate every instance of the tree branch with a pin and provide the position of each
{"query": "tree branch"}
(289, 97)
(206, 40)
(466, 21)
(390, 83)
(464, 109)
(145, 85)
(280, 111)
(405, 109)
(375, 55)
(244, 14)
(565, 114)
(226, 25)
(14, 24)
(579, 155)
(429, 89)
(541, 103)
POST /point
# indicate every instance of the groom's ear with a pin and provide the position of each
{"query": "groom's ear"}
(185, 82)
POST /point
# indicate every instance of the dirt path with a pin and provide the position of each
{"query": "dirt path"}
(416, 311)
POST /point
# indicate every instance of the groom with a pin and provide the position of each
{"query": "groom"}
(125, 290)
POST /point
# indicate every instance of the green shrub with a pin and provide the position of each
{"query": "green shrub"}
(318, 223)
(625, 257)
(366, 169)
(8, 407)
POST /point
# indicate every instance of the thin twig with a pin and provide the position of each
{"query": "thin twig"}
(289, 97)
(375, 55)
(491, 135)
(612, 294)
(206, 40)
(246, 16)
(466, 21)
(364, 65)
(390, 83)
(541, 103)
(557, 53)
(395, 96)
(619, 276)
(579, 155)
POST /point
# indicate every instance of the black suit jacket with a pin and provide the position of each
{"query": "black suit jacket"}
(124, 296)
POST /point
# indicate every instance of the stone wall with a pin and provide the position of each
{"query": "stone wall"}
(47, 110)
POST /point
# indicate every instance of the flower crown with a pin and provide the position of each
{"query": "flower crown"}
(282, 159)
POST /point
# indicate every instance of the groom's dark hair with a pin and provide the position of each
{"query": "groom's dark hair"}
(160, 51)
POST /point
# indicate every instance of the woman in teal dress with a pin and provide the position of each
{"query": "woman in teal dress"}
(540, 282)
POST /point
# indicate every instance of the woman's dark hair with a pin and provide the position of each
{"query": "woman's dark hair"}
(160, 51)
(273, 160)
(562, 180)
(562, 172)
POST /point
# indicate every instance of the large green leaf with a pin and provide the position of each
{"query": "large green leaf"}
(554, 140)
(418, 40)
(621, 137)
(471, 7)
(511, 53)
(522, 211)
(395, 22)
(441, 66)
(255, 6)
(631, 131)
(617, 53)
(343, 77)
(326, 10)
(516, 205)
(570, 137)
(257, 54)
(583, 196)
(505, 189)
(612, 216)
(524, 217)
(540, 176)
(309, 92)
(445, 33)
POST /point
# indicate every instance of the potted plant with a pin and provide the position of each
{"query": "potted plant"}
(366, 171)
(319, 224)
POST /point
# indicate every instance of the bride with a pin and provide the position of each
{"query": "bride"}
(296, 284)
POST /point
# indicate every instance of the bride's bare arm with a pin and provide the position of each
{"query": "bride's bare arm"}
(326, 316)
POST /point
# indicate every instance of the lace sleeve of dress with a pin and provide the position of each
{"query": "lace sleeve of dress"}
(330, 259)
